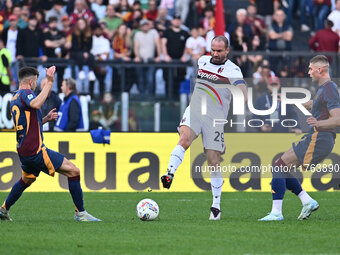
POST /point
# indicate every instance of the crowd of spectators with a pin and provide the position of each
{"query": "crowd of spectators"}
(141, 31)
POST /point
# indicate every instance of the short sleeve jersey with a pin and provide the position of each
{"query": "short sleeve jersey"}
(326, 99)
(27, 122)
(211, 85)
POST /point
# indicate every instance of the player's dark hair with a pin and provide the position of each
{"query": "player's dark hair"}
(71, 83)
(26, 72)
(221, 38)
(320, 59)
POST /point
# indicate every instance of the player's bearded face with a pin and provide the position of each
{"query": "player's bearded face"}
(218, 52)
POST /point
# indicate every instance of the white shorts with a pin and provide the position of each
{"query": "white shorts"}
(212, 137)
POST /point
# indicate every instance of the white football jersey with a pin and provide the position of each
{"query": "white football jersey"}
(210, 87)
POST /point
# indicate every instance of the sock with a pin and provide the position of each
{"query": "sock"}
(15, 193)
(278, 186)
(76, 192)
(216, 188)
(176, 159)
(277, 206)
(304, 197)
(293, 184)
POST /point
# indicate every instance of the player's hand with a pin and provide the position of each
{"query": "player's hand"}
(52, 115)
(312, 121)
(297, 131)
(50, 73)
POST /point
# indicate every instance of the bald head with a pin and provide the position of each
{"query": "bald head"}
(221, 38)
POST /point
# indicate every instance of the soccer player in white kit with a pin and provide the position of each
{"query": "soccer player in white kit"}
(214, 73)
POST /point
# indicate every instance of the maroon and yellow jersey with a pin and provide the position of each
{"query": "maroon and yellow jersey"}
(27, 122)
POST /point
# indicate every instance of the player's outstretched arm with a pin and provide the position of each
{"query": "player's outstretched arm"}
(332, 122)
(37, 102)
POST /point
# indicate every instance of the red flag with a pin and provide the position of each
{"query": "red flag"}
(219, 18)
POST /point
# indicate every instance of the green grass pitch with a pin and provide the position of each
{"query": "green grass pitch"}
(43, 224)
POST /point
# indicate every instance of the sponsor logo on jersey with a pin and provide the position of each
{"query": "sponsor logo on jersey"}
(205, 75)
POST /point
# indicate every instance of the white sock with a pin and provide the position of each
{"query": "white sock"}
(304, 197)
(176, 159)
(277, 207)
(216, 188)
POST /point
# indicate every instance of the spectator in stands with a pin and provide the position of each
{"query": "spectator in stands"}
(208, 22)
(272, 123)
(182, 8)
(70, 117)
(173, 48)
(31, 41)
(302, 13)
(325, 39)
(261, 76)
(121, 43)
(320, 11)
(54, 41)
(100, 50)
(81, 47)
(280, 38)
(10, 36)
(163, 21)
(265, 9)
(241, 15)
(108, 113)
(169, 5)
(24, 14)
(112, 21)
(68, 31)
(334, 16)
(255, 60)
(81, 10)
(122, 9)
(137, 16)
(152, 12)
(173, 41)
(239, 42)
(52, 101)
(146, 43)
(57, 11)
(41, 20)
(195, 45)
(20, 23)
(256, 23)
(99, 9)
(6, 78)
(7, 10)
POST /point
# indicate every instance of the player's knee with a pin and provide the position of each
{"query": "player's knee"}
(75, 171)
(213, 160)
(184, 141)
(28, 181)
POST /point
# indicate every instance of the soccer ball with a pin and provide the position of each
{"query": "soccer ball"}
(147, 209)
